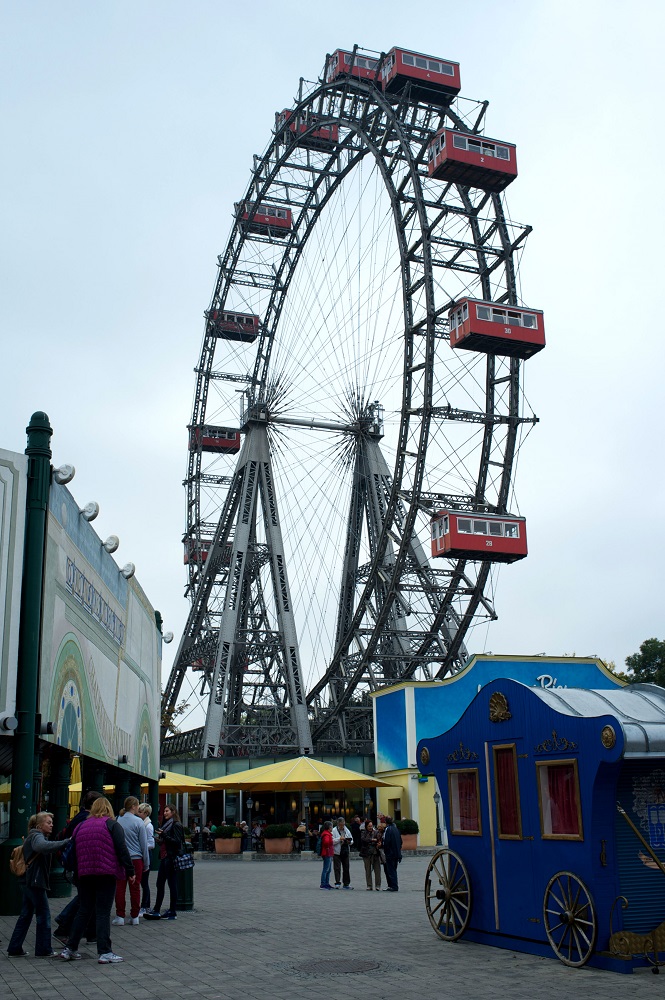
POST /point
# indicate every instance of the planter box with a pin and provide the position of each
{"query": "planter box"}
(280, 845)
(227, 846)
(409, 841)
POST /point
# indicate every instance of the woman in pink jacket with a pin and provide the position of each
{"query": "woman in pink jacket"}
(327, 851)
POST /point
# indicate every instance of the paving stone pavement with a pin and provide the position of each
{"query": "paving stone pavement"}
(267, 932)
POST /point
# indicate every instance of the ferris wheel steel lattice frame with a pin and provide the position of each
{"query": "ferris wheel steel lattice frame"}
(441, 231)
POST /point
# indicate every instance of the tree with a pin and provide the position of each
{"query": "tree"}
(168, 718)
(648, 666)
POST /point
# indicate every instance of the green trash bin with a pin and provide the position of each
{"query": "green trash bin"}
(185, 885)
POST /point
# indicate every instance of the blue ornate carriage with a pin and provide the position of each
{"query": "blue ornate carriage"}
(554, 803)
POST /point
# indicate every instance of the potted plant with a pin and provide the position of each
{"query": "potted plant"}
(409, 830)
(278, 838)
(227, 839)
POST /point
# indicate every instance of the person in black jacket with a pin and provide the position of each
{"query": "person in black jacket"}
(37, 853)
(171, 840)
(392, 847)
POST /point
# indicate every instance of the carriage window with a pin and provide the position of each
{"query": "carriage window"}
(514, 319)
(488, 149)
(498, 316)
(559, 798)
(512, 530)
(453, 321)
(496, 528)
(474, 145)
(421, 63)
(482, 312)
(434, 66)
(464, 525)
(445, 525)
(503, 152)
(407, 59)
(347, 59)
(465, 310)
(447, 69)
(509, 821)
(459, 141)
(530, 321)
(464, 802)
(480, 527)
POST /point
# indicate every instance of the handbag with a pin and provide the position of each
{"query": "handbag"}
(183, 861)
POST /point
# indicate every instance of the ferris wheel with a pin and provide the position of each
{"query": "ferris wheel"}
(357, 413)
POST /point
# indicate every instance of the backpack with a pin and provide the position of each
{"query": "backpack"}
(17, 862)
(319, 845)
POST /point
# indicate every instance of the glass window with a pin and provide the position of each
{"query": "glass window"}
(459, 141)
(480, 527)
(448, 69)
(503, 152)
(509, 821)
(435, 528)
(347, 59)
(515, 319)
(372, 63)
(464, 525)
(482, 312)
(488, 149)
(465, 310)
(559, 798)
(434, 66)
(474, 145)
(453, 321)
(446, 525)
(464, 802)
(496, 528)
(442, 139)
(407, 59)
(421, 63)
(498, 316)
(530, 321)
(512, 530)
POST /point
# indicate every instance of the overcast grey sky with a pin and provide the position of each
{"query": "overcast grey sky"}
(128, 132)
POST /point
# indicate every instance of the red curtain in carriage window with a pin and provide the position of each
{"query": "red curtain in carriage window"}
(562, 788)
(467, 793)
(507, 798)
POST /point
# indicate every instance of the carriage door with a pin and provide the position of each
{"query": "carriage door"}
(511, 833)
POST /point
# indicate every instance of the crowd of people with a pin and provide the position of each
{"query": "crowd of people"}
(380, 848)
(106, 855)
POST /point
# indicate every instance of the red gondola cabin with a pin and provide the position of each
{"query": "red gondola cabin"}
(209, 438)
(196, 552)
(496, 537)
(434, 81)
(464, 158)
(496, 329)
(232, 325)
(271, 220)
(342, 63)
(289, 126)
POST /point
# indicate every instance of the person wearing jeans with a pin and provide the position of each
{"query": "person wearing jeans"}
(327, 852)
(37, 852)
(171, 840)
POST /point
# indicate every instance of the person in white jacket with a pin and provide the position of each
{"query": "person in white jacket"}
(342, 840)
(145, 812)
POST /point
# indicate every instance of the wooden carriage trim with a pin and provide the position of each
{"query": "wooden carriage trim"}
(451, 800)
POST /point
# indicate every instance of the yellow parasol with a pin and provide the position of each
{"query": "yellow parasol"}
(301, 773)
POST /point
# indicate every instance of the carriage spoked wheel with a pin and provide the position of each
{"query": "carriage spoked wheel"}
(448, 895)
(570, 918)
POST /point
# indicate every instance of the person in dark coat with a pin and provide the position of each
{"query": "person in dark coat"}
(37, 853)
(65, 918)
(171, 840)
(392, 848)
(355, 832)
